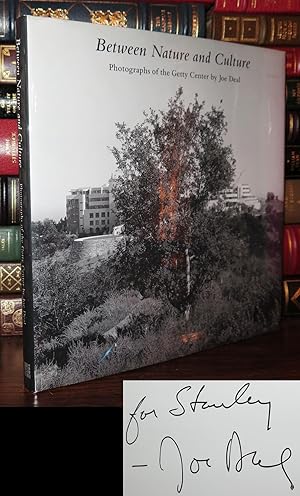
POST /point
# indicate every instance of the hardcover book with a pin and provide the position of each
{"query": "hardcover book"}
(151, 196)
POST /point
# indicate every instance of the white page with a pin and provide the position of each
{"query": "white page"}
(239, 438)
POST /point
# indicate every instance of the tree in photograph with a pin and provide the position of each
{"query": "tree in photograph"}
(172, 166)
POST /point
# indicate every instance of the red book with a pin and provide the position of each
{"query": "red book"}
(258, 6)
(211, 2)
(291, 249)
(292, 60)
(9, 165)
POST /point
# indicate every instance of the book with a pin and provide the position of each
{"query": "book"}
(10, 244)
(9, 165)
(9, 201)
(291, 250)
(174, 17)
(8, 102)
(268, 29)
(8, 64)
(292, 61)
(151, 224)
(7, 20)
(291, 296)
(10, 278)
(10, 316)
(292, 201)
(258, 6)
(293, 93)
(292, 161)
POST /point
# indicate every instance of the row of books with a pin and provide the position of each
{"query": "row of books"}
(10, 236)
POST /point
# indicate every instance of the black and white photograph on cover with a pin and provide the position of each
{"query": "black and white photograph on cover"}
(175, 251)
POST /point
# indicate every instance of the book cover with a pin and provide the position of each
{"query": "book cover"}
(152, 196)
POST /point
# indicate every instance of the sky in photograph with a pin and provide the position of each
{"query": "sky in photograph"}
(74, 107)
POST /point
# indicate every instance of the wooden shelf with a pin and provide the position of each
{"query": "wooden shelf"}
(269, 356)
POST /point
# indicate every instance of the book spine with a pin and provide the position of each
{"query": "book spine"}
(10, 278)
(231, 6)
(10, 244)
(292, 127)
(291, 250)
(273, 6)
(291, 296)
(25, 212)
(292, 201)
(292, 162)
(8, 102)
(292, 60)
(9, 201)
(10, 316)
(186, 18)
(9, 147)
(122, 14)
(255, 30)
(8, 64)
(7, 20)
(258, 6)
(293, 93)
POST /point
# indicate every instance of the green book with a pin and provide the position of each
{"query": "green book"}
(10, 244)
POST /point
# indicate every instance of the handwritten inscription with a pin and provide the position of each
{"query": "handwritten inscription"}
(179, 463)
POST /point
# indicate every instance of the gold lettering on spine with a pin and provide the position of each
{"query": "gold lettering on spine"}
(109, 18)
(54, 13)
(291, 126)
(286, 294)
(163, 22)
(195, 22)
(287, 29)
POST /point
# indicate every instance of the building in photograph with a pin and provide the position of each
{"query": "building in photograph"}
(241, 194)
(91, 210)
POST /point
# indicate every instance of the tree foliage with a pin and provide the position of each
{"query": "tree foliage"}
(172, 166)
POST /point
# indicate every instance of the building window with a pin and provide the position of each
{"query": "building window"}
(91, 215)
(91, 230)
(103, 222)
(107, 214)
(102, 214)
(97, 214)
(91, 222)
(97, 222)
